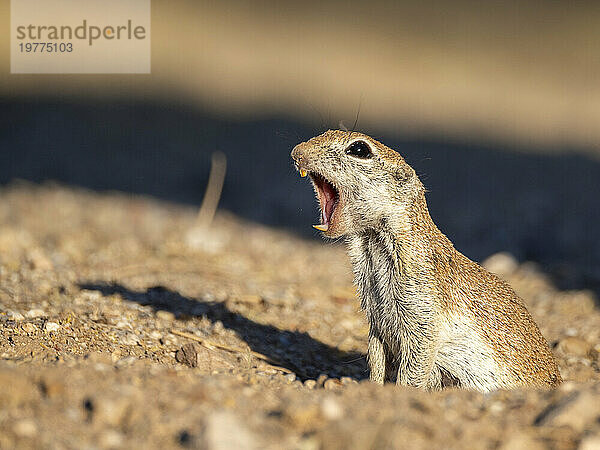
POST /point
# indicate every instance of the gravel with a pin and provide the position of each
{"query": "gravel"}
(116, 332)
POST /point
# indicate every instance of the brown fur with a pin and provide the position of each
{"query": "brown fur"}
(437, 318)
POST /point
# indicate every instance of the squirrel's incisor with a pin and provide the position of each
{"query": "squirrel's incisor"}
(436, 317)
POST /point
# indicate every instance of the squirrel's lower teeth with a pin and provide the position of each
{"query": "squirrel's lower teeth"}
(321, 227)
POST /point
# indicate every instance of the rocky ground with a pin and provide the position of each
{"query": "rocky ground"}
(124, 325)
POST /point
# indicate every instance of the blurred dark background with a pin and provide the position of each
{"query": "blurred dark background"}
(495, 104)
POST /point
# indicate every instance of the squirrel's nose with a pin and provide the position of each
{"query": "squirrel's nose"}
(298, 154)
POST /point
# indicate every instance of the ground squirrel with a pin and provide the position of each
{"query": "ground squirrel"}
(436, 318)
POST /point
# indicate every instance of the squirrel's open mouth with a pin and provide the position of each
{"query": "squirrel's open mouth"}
(329, 199)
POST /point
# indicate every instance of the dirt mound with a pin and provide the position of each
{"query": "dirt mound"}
(123, 325)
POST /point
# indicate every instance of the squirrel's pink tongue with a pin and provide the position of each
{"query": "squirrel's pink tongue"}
(328, 198)
(326, 212)
(329, 203)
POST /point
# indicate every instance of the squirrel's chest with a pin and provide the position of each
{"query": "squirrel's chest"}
(390, 293)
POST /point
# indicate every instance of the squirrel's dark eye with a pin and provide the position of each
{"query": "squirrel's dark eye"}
(360, 149)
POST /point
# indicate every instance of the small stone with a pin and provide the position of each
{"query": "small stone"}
(127, 338)
(14, 315)
(309, 443)
(522, 441)
(568, 386)
(310, 384)
(188, 355)
(348, 380)
(115, 356)
(167, 316)
(290, 377)
(123, 324)
(574, 346)
(304, 415)
(332, 383)
(331, 408)
(321, 380)
(90, 295)
(39, 261)
(111, 439)
(99, 358)
(155, 334)
(578, 303)
(25, 428)
(112, 410)
(52, 386)
(127, 361)
(590, 443)
(225, 431)
(502, 264)
(51, 327)
(35, 313)
(29, 328)
(496, 408)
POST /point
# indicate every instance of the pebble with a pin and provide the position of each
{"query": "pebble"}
(590, 443)
(127, 338)
(99, 358)
(225, 431)
(123, 323)
(111, 439)
(290, 377)
(35, 313)
(496, 408)
(52, 386)
(112, 410)
(127, 361)
(310, 384)
(29, 328)
(90, 295)
(39, 261)
(50, 327)
(331, 409)
(155, 334)
(522, 441)
(332, 383)
(348, 380)
(304, 415)
(188, 355)
(167, 316)
(321, 380)
(25, 428)
(575, 346)
(14, 315)
(502, 264)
